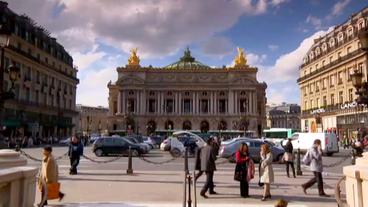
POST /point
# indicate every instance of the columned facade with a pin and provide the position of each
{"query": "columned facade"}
(186, 95)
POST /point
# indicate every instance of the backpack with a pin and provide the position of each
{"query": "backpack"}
(307, 158)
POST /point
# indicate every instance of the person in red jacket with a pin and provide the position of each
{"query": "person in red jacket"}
(244, 170)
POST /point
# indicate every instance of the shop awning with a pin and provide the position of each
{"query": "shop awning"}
(11, 123)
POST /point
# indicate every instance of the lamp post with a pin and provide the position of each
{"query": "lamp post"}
(357, 77)
(13, 72)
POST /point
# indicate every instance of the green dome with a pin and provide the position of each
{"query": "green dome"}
(187, 62)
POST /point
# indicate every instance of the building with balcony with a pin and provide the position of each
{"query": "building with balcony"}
(284, 116)
(326, 90)
(44, 103)
(92, 120)
(187, 95)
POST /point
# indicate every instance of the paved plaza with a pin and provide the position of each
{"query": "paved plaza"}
(108, 184)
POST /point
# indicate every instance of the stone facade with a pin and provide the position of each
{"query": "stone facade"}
(186, 95)
(92, 120)
(284, 116)
(45, 93)
(327, 93)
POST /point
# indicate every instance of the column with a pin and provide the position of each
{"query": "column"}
(230, 102)
(119, 103)
(249, 102)
(215, 103)
(159, 102)
(123, 102)
(143, 102)
(179, 103)
(137, 102)
(176, 104)
(211, 104)
(162, 106)
(254, 103)
(193, 103)
(236, 102)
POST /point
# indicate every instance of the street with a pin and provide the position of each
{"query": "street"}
(162, 184)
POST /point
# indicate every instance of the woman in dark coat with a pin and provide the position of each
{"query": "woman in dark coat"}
(288, 157)
(244, 170)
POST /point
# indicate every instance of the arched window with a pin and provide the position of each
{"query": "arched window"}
(324, 47)
(311, 55)
(361, 23)
(350, 31)
(332, 42)
(340, 37)
(318, 51)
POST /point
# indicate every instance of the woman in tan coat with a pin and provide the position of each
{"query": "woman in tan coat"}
(266, 170)
(49, 173)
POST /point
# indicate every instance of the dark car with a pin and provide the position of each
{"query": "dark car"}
(116, 146)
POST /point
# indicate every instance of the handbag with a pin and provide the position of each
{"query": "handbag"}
(238, 174)
(53, 190)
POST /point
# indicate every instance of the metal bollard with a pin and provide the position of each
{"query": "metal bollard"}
(130, 169)
(298, 168)
(189, 190)
(353, 157)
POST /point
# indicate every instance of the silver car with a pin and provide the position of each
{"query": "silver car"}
(229, 148)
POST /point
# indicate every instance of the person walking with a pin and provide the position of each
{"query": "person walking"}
(49, 174)
(208, 165)
(315, 156)
(266, 171)
(244, 169)
(75, 151)
(197, 165)
(288, 157)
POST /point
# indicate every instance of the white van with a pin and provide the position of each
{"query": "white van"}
(304, 141)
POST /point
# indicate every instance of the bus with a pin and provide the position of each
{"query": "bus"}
(276, 135)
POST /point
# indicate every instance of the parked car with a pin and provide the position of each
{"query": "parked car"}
(304, 141)
(139, 141)
(157, 139)
(104, 146)
(229, 148)
(65, 141)
(189, 135)
(165, 145)
(149, 141)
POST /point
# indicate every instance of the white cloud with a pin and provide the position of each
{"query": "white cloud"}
(157, 27)
(281, 77)
(339, 7)
(255, 59)
(84, 60)
(316, 22)
(273, 47)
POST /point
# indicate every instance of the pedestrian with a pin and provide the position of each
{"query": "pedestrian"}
(244, 169)
(315, 156)
(345, 142)
(266, 171)
(198, 164)
(75, 151)
(208, 165)
(288, 157)
(49, 175)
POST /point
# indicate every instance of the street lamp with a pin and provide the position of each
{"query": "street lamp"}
(13, 72)
(357, 77)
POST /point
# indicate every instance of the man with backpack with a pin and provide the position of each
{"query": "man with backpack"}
(313, 158)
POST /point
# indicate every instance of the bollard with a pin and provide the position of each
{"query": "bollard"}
(186, 170)
(189, 190)
(298, 168)
(353, 157)
(130, 169)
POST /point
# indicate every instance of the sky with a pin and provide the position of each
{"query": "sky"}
(275, 34)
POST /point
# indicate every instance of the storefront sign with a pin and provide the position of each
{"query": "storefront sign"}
(317, 111)
(349, 105)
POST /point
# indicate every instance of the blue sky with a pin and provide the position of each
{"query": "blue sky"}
(275, 34)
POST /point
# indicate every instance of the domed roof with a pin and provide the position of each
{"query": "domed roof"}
(187, 62)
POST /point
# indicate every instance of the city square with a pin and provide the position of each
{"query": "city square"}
(183, 103)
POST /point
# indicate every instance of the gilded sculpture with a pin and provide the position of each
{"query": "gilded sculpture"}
(240, 59)
(133, 59)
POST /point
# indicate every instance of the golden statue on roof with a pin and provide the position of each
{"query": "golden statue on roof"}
(133, 59)
(240, 59)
